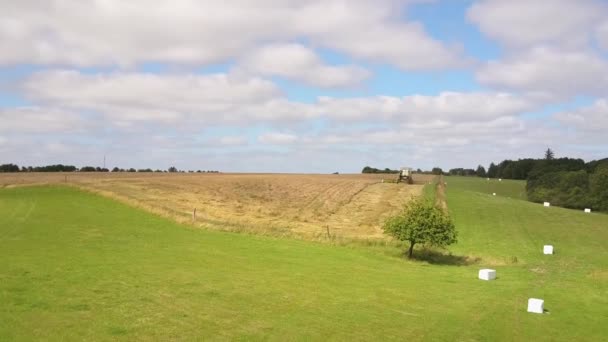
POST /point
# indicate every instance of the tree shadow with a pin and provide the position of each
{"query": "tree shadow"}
(435, 257)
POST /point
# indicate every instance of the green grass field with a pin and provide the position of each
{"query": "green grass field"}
(76, 266)
(504, 188)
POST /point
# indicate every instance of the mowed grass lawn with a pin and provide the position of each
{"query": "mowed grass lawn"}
(77, 266)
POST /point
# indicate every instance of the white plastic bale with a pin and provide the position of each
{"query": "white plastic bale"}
(494, 194)
(547, 204)
(587, 210)
(536, 305)
(487, 274)
(548, 249)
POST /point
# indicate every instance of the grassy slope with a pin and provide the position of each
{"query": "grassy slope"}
(76, 266)
(573, 282)
(505, 188)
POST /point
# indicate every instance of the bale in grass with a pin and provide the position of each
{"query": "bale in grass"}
(536, 305)
(487, 274)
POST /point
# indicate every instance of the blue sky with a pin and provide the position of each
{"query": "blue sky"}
(313, 86)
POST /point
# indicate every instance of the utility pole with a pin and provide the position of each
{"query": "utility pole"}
(104, 161)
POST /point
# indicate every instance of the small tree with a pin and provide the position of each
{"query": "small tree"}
(421, 222)
(549, 155)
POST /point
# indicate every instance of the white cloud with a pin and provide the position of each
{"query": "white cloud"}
(593, 118)
(89, 33)
(232, 140)
(446, 108)
(297, 62)
(548, 71)
(525, 23)
(177, 114)
(277, 138)
(20, 120)
(602, 35)
(130, 98)
(77, 117)
(192, 101)
(495, 132)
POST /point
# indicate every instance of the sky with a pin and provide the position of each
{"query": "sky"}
(312, 86)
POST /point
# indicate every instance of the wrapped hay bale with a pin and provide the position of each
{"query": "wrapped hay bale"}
(536, 305)
(487, 274)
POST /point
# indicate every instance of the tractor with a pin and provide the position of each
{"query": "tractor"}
(405, 175)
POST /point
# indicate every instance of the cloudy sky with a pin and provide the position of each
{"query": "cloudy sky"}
(301, 86)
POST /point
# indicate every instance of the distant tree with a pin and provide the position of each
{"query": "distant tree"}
(421, 222)
(115, 169)
(87, 169)
(55, 168)
(369, 169)
(593, 165)
(131, 170)
(9, 168)
(481, 171)
(549, 155)
(172, 169)
(598, 186)
(493, 170)
(437, 171)
(456, 172)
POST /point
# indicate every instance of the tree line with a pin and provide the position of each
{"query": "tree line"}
(565, 182)
(369, 169)
(72, 168)
(47, 168)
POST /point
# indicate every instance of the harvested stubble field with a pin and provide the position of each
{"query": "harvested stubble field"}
(309, 206)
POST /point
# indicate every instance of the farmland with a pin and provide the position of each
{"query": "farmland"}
(77, 266)
(309, 206)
